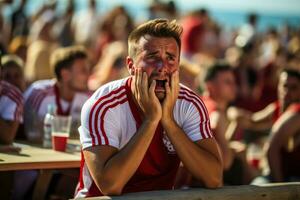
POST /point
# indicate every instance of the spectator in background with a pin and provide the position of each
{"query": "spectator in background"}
(11, 112)
(63, 29)
(38, 54)
(12, 71)
(68, 92)
(110, 67)
(19, 47)
(283, 150)
(19, 21)
(220, 91)
(85, 25)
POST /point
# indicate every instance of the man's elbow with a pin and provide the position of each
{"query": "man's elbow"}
(110, 189)
(214, 182)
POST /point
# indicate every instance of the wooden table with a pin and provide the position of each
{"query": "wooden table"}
(33, 157)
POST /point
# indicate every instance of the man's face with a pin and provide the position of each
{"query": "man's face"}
(159, 58)
(225, 86)
(15, 76)
(79, 74)
(288, 89)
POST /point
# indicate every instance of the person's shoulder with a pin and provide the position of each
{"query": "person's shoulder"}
(43, 84)
(7, 89)
(188, 94)
(44, 87)
(112, 88)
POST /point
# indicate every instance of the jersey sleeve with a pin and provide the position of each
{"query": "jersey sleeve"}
(12, 110)
(194, 119)
(99, 125)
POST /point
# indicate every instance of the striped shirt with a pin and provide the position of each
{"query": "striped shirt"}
(11, 102)
(37, 98)
(110, 117)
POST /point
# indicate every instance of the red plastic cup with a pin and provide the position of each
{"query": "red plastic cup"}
(59, 141)
(60, 132)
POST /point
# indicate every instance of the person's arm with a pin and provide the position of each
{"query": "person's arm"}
(285, 127)
(202, 158)
(220, 128)
(258, 121)
(8, 130)
(112, 168)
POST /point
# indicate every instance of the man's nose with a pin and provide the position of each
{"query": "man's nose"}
(160, 65)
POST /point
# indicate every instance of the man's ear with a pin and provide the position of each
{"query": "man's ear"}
(130, 65)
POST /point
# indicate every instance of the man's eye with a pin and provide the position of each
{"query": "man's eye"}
(171, 58)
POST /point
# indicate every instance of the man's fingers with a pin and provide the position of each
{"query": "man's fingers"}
(152, 89)
(144, 85)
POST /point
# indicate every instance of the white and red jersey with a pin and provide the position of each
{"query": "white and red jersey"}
(44, 92)
(110, 117)
(11, 102)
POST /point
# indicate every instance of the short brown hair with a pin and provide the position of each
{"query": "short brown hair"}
(11, 60)
(63, 58)
(156, 28)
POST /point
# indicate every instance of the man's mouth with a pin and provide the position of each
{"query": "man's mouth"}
(160, 85)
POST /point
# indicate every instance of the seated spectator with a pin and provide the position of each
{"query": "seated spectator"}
(283, 151)
(12, 71)
(67, 92)
(220, 91)
(135, 131)
(11, 111)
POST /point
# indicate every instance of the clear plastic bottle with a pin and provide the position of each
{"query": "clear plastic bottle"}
(51, 111)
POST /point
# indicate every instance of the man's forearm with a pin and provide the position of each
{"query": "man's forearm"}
(204, 163)
(121, 167)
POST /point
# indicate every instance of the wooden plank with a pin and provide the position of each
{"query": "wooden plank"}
(280, 191)
(32, 157)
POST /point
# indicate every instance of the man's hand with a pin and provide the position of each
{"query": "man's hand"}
(170, 99)
(146, 97)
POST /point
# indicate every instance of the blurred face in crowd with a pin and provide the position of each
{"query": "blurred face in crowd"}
(77, 75)
(223, 86)
(14, 75)
(159, 58)
(288, 89)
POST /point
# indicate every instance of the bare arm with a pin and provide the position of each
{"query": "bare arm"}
(258, 121)
(201, 158)
(8, 130)
(112, 168)
(220, 127)
(286, 127)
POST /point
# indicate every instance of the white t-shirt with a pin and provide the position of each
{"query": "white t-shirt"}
(107, 117)
(110, 117)
(11, 102)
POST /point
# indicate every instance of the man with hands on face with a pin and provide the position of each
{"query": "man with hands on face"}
(135, 131)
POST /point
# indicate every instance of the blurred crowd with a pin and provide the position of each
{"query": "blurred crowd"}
(245, 77)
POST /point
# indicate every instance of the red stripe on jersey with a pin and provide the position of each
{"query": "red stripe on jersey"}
(17, 96)
(203, 115)
(81, 184)
(192, 93)
(94, 107)
(42, 96)
(189, 100)
(18, 110)
(202, 105)
(104, 112)
(112, 100)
